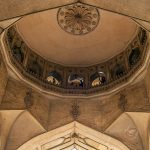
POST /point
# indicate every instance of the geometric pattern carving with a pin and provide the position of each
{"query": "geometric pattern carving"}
(75, 112)
(78, 18)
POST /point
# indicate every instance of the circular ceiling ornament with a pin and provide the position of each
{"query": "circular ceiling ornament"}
(78, 19)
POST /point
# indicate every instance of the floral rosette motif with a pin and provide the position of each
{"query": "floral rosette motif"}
(78, 19)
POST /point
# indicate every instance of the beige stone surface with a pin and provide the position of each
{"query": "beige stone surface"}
(40, 109)
(59, 113)
(7, 23)
(126, 131)
(24, 128)
(137, 98)
(143, 24)
(7, 119)
(54, 112)
(99, 114)
(14, 94)
(133, 8)
(147, 82)
(142, 122)
(3, 78)
(14, 8)
(88, 139)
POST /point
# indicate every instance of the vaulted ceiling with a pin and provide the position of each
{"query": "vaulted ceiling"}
(17, 125)
(42, 33)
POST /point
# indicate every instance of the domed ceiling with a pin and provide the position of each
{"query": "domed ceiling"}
(47, 34)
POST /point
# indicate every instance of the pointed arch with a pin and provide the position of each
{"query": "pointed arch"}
(73, 134)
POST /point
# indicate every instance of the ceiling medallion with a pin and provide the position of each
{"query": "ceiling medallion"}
(78, 19)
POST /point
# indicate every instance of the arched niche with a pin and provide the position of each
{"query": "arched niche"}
(54, 77)
(119, 71)
(73, 136)
(98, 78)
(35, 68)
(134, 56)
(76, 80)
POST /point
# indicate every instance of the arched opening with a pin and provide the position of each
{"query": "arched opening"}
(119, 71)
(73, 136)
(134, 56)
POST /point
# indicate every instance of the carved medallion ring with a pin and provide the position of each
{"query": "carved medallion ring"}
(78, 19)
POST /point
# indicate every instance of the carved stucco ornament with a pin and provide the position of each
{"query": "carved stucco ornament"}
(75, 112)
(28, 99)
(131, 136)
(78, 19)
(122, 102)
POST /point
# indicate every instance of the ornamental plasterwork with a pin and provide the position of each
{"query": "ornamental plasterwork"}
(78, 19)
(28, 99)
(75, 112)
(122, 102)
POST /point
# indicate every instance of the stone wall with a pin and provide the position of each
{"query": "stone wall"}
(3, 78)
(147, 82)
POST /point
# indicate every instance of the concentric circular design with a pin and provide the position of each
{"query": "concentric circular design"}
(78, 19)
